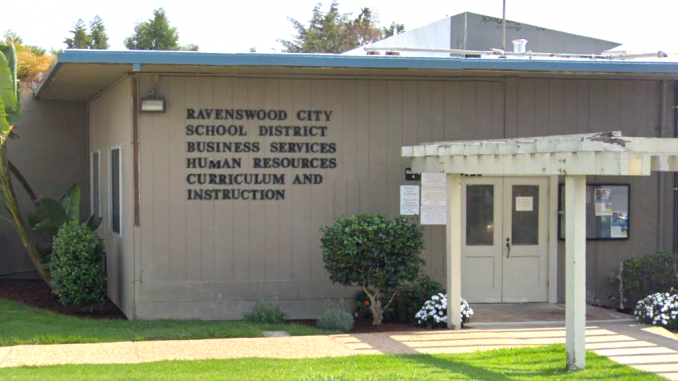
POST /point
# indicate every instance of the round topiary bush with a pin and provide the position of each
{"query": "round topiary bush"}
(336, 319)
(378, 254)
(77, 270)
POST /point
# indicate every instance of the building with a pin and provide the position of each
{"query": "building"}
(215, 200)
(471, 31)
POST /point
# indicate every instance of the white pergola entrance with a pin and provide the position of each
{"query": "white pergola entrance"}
(572, 156)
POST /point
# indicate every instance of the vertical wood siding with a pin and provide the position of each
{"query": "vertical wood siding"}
(212, 250)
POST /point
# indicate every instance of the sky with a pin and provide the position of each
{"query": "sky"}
(237, 26)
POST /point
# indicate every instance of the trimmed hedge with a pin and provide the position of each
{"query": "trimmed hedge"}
(77, 270)
(649, 274)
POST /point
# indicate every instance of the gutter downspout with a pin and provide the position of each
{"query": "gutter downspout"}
(661, 214)
(675, 174)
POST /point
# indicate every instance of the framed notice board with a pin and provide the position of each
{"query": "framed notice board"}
(607, 211)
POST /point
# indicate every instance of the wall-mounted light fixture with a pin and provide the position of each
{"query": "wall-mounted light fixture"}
(153, 103)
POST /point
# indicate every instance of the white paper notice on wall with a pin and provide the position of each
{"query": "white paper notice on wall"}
(524, 204)
(433, 199)
(409, 200)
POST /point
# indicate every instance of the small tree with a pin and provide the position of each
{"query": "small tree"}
(81, 39)
(336, 32)
(156, 34)
(375, 253)
(99, 38)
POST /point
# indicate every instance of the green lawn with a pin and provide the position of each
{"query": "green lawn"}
(20, 324)
(542, 363)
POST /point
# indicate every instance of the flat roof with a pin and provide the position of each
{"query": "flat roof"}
(81, 74)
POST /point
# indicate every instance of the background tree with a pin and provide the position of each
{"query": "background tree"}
(81, 38)
(392, 30)
(156, 34)
(371, 251)
(31, 60)
(95, 38)
(189, 48)
(98, 36)
(334, 32)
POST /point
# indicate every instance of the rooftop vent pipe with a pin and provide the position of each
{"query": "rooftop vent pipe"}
(519, 45)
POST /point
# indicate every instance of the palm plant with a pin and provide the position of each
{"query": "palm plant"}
(10, 111)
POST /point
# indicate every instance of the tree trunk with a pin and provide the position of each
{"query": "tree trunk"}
(22, 180)
(11, 205)
(377, 311)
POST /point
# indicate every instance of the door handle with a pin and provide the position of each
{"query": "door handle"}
(508, 246)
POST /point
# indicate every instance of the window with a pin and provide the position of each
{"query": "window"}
(480, 215)
(96, 183)
(607, 211)
(115, 189)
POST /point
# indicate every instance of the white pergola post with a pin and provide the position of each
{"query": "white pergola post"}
(575, 270)
(453, 257)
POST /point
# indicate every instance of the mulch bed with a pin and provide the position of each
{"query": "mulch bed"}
(366, 326)
(36, 293)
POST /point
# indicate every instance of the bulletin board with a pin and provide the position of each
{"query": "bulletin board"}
(607, 211)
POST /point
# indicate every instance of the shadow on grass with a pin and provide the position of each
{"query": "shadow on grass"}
(501, 365)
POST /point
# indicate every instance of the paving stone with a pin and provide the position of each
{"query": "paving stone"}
(276, 334)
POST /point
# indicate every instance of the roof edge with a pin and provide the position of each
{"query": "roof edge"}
(134, 58)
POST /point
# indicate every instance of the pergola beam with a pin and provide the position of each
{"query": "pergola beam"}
(665, 163)
(539, 164)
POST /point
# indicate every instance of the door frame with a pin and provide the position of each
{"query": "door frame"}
(551, 238)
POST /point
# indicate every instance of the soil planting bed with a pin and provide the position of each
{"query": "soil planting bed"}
(35, 293)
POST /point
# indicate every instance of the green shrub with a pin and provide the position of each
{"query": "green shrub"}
(406, 304)
(336, 319)
(375, 253)
(78, 274)
(266, 312)
(649, 274)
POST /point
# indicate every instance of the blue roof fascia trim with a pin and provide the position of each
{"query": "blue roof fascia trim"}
(137, 58)
(52, 73)
(366, 62)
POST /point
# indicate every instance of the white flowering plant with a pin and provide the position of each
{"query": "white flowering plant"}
(659, 309)
(434, 312)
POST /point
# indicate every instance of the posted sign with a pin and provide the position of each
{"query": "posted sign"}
(433, 199)
(409, 200)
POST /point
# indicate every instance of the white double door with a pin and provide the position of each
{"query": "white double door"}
(504, 239)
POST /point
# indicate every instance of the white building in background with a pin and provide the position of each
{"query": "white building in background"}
(471, 31)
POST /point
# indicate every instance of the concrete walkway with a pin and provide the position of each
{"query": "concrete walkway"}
(650, 349)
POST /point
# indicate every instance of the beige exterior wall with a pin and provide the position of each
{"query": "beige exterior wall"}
(51, 153)
(110, 125)
(213, 259)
